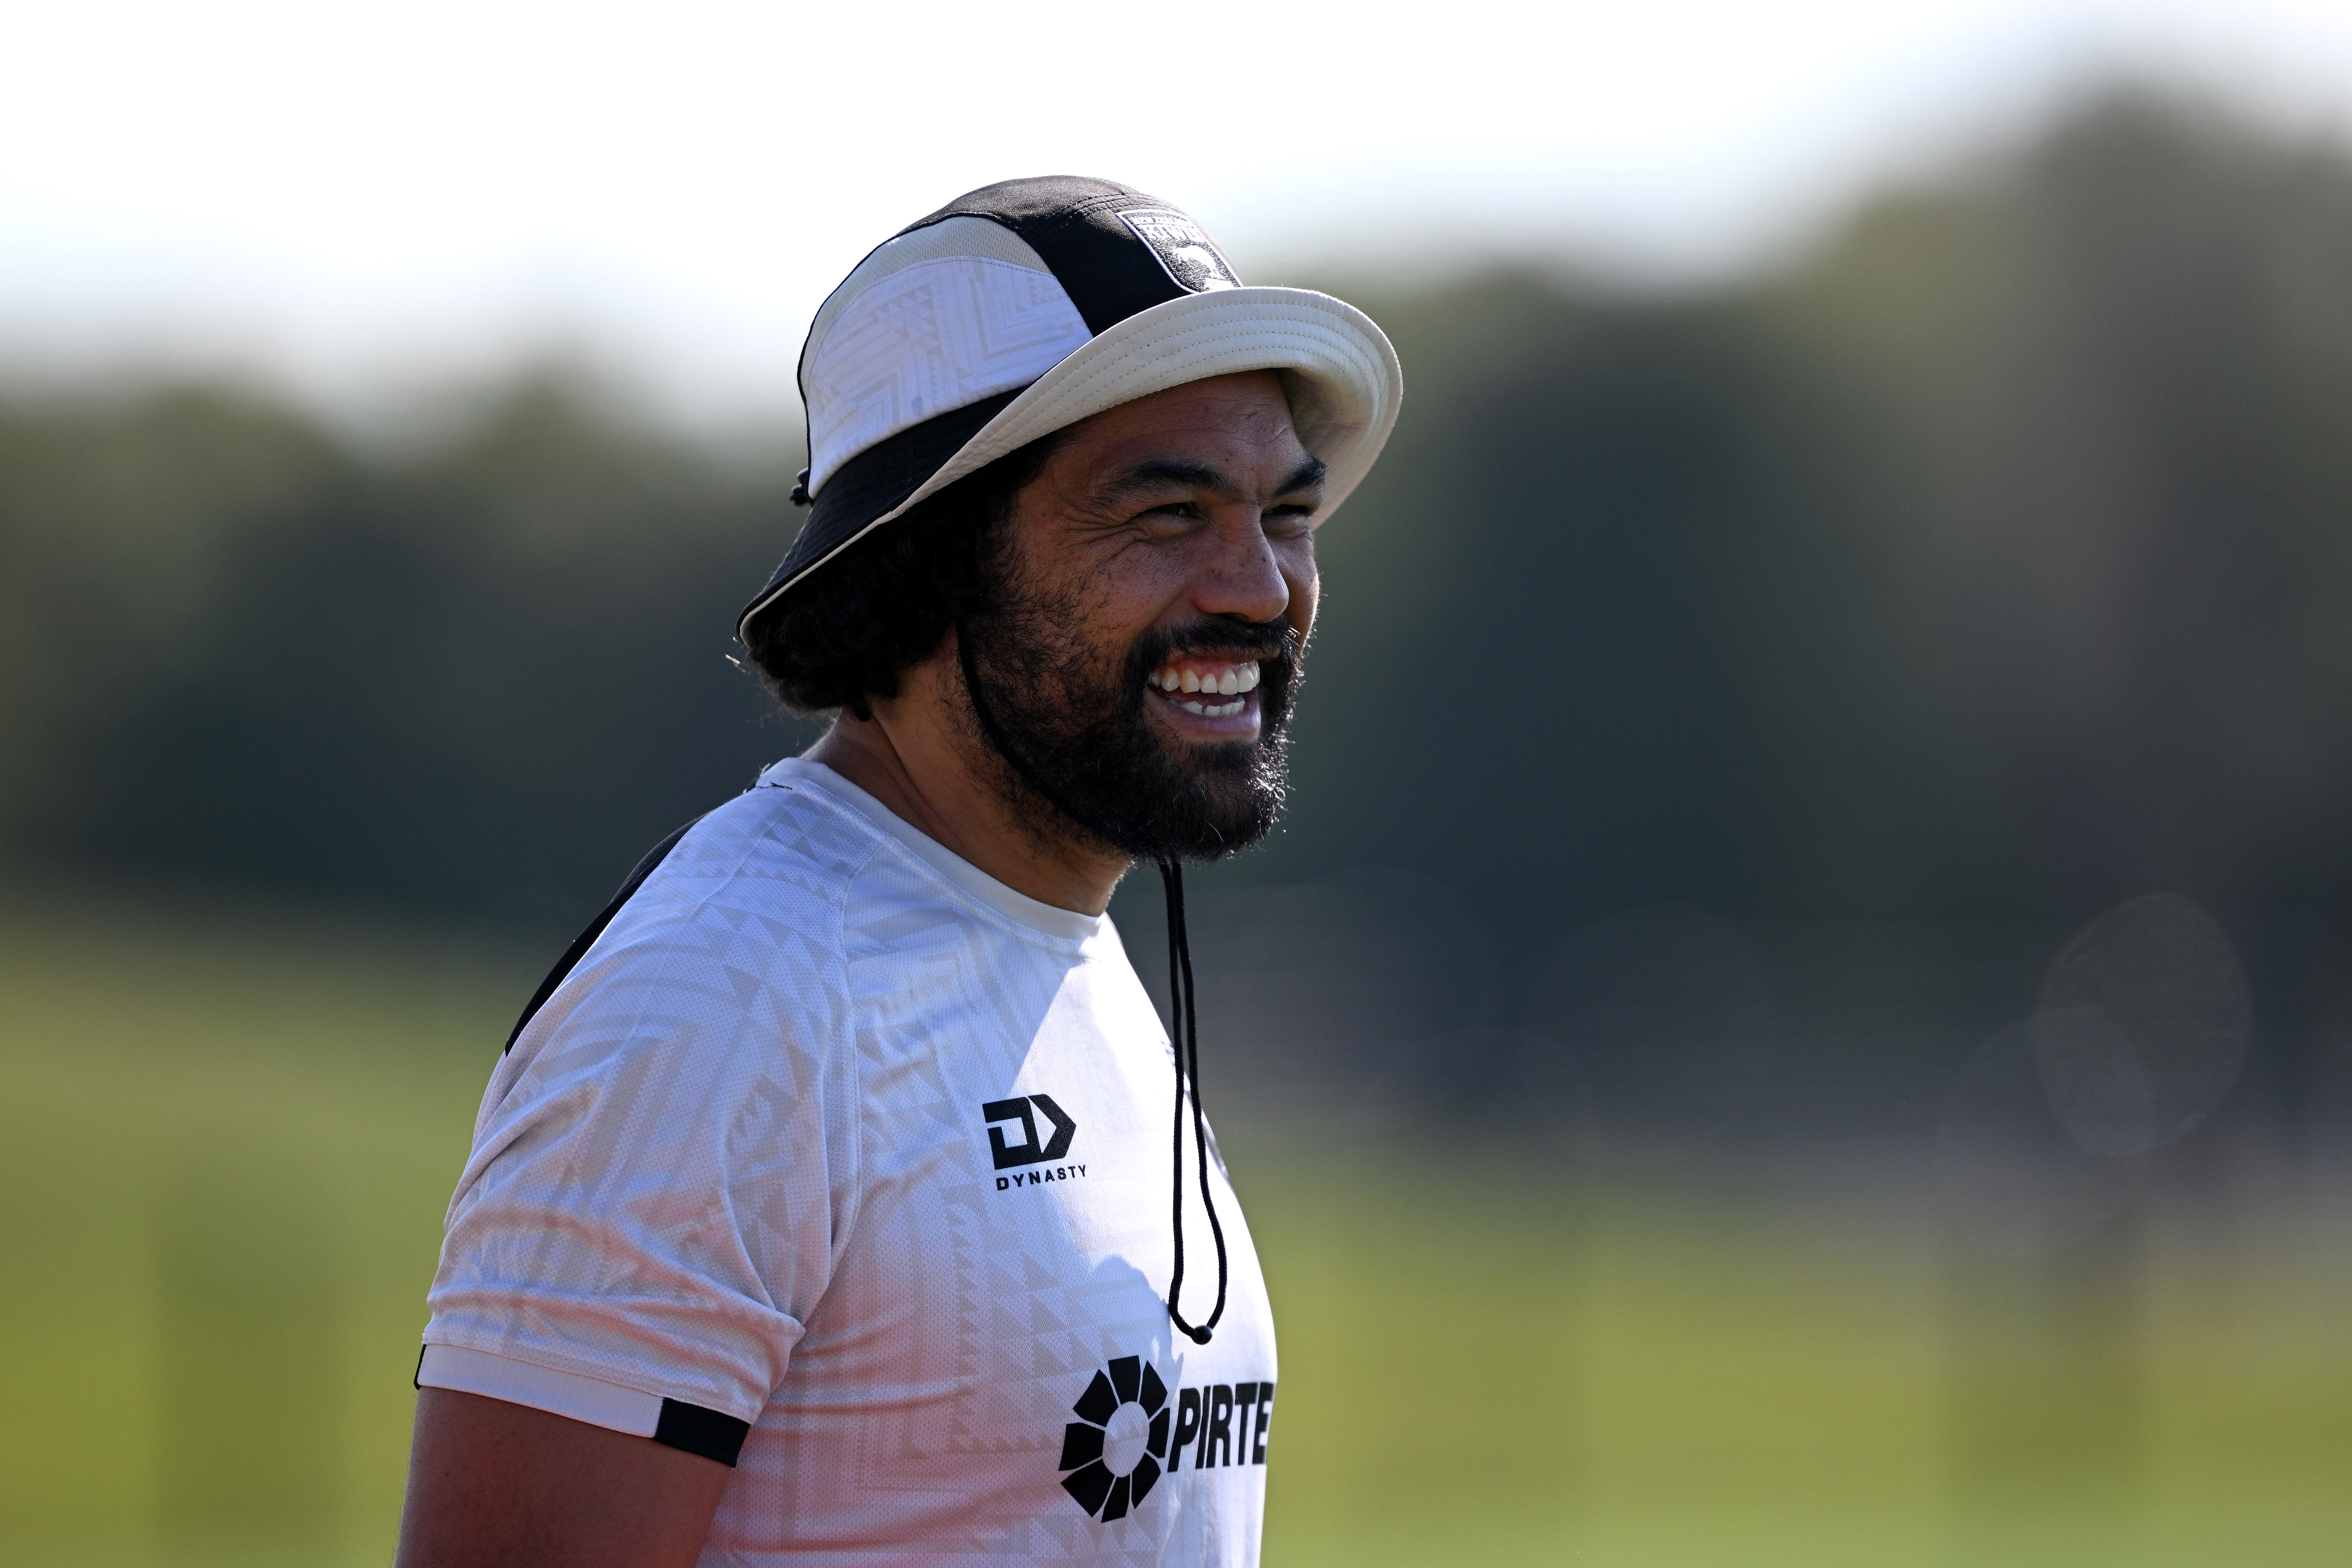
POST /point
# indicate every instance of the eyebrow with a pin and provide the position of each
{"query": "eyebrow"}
(1159, 473)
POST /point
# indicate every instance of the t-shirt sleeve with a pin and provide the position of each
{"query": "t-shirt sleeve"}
(660, 1172)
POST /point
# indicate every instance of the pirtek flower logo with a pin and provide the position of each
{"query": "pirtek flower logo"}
(1106, 1434)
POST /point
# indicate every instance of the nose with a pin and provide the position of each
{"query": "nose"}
(1242, 579)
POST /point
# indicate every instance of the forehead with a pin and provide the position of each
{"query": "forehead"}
(1239, 423)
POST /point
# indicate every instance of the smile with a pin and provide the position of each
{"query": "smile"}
(1202, 683)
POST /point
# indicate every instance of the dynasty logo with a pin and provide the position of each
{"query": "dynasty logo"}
(1191, 256)
(1121, 1443)
(998, 1114)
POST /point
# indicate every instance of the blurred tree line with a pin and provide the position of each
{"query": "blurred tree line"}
(1989, 562)
(240, 655)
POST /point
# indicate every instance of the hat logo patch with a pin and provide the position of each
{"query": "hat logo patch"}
(1187, 252)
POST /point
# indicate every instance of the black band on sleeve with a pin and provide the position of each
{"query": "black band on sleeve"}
(699, 1431)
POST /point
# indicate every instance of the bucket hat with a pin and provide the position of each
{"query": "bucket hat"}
(1026, 306)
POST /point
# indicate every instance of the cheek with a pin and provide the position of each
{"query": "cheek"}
(1305, 588)
(1138, 590)
(1093, 598)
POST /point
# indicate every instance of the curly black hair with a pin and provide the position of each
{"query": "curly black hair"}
(848, 631)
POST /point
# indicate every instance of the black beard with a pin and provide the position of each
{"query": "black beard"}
(1070, 727)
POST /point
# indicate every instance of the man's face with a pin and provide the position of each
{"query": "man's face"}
(1157, 584)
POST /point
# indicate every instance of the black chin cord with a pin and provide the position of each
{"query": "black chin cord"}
(1183, 1030)
(1185, 1038)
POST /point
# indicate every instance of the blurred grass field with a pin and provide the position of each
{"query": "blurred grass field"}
(226, 1141)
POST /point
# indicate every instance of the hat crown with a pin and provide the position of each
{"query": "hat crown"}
(984, 297)
(1117, 249)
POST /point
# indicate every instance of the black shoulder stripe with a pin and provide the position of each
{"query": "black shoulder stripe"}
(699, 1431)
(587, 939)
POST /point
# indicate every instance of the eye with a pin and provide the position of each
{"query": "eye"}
(1291, 520)
(1167, 521)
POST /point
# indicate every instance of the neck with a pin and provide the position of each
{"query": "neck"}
(917, 758)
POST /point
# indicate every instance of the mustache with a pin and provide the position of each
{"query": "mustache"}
(1268, 642)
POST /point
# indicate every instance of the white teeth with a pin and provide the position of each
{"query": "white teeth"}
(1233, 680)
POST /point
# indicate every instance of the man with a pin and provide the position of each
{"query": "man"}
(826, 1206)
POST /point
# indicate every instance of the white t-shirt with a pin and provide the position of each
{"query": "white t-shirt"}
(833, 1134)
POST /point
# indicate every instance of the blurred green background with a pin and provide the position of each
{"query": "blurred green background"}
(1889, 615)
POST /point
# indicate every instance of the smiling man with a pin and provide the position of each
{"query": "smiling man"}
(840, 1197)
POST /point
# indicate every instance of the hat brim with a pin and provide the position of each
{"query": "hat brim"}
(1344, 382)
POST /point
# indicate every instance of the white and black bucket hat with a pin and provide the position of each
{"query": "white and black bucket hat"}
(1029, 305)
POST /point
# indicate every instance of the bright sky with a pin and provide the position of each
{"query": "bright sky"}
(342, 194)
